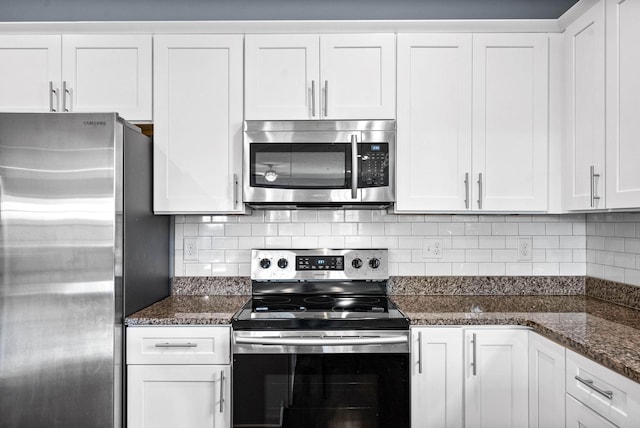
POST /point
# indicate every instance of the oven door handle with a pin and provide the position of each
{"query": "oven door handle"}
(329, 341)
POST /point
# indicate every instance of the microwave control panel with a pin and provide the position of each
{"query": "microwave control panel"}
(373, 164)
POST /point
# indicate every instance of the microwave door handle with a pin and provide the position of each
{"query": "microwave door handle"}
(354, 166)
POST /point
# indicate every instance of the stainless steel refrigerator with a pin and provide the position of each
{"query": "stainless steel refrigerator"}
(79, 249)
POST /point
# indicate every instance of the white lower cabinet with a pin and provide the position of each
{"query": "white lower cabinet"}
(178, 377)
(496, 378)
(611, 396)
(179, 396)
(580, 416)
(436, 377)
(546, 383)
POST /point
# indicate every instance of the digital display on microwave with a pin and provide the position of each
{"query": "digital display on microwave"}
(376, 147)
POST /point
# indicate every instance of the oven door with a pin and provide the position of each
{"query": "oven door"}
(321, 379)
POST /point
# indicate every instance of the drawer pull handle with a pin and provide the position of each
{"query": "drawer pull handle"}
(176, 345)
(590, 384)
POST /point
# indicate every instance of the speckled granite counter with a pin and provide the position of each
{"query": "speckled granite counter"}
(189, 310)
(605, 332)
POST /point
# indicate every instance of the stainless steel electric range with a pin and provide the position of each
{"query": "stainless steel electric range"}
(320, 344)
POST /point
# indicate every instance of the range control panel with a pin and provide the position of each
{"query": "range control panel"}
(320, 264)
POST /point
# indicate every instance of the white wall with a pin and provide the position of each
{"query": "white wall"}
(472, 244)
(613, 247)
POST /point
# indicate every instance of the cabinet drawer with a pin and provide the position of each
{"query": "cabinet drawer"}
(580, 416)
(178, 345)
(609, 394)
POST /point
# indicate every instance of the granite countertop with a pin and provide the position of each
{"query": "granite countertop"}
(605, 332)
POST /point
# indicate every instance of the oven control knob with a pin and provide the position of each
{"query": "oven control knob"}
(374, 263)
(283, 263)
(356, 263)
(265, 263)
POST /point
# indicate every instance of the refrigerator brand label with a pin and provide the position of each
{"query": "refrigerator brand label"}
(95, 122)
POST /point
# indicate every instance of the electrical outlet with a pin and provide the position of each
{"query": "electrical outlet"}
(190, 249)
(524, 249)
(432, 249)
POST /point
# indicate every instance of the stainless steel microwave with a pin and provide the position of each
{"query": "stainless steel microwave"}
(319, 163)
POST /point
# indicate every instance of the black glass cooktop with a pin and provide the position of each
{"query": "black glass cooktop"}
(319, 312)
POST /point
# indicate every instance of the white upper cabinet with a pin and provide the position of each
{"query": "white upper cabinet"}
(107, 73)
(97, 73)
(302, 76)
(282, 76)
(434, 122)
(30, 73)
(510, 121)
(472, 122)
(198, 124)
(585, 114)
(623, 105)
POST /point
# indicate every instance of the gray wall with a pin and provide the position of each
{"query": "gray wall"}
(160, 10)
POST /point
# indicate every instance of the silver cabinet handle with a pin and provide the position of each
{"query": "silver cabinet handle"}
(594, 196)
(65, 91)
(480, 191)
(52, 92)
(589, 383)
(222, 379)
(326, 98)
(466, 190)
(313, 98)
(354, 166)
(474, 363)
(176, 345)
(235, 190)
(420, 352)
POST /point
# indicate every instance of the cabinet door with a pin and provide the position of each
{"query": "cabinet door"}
(29, 74)
(197, 154)
(358, 78)
(164, 396)
(546, 383)
(434, 122)
(496, 371)
(580, 416)
(281, 76)
(436, 377)
(108, 73)
(510, 123)
(585, 115)
(623, 108)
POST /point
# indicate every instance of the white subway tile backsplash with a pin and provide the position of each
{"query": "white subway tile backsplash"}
(545, 269)
(317, 229)
(237, 229)
(464, 242)
(504, 228)
(226, 243)
(304, 242)
(532, 229)
(472, 244)
(488, 269)
(424, 229)
(400, 229)
(277, 242)
(357, 242)
(492, 242)
(214, 229)
(445, 229)
(546, 242)
(572, 269)
(625, 230)
(291, 229)
(211, 256)
(477, 228)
